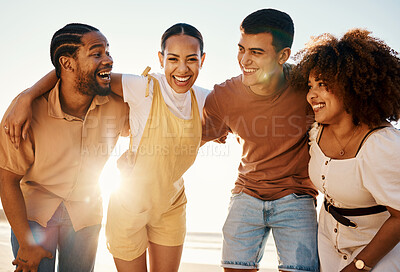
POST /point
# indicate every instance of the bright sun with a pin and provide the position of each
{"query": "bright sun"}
(110, 176)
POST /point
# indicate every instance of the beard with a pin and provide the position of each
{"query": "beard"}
(88, 85)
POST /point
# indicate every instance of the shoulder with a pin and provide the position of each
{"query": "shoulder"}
(227, 88)
(201, 93)
(384, 140)
(381, 149)
(130, 82)
(229, 84)
(116, 104)
(113, 98)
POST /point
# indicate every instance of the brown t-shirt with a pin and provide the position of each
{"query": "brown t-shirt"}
(62, 158)
(273, 134)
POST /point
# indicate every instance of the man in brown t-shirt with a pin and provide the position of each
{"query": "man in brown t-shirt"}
(49, 185)
(273, 190)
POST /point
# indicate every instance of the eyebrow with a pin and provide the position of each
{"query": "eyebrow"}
(252, 49)
(96, 46)
(176, 55)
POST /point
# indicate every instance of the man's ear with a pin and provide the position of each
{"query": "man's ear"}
(284, 55)
(66, 63)
(161, 58)
(203, 57)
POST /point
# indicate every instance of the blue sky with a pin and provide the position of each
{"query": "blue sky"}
(134, 29)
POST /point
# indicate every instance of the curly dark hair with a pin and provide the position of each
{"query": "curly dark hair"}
(359, 69)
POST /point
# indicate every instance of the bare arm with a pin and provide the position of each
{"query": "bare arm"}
(384, 241)
(29, 253)
(18, 121)
(116, 84)
(20, 116)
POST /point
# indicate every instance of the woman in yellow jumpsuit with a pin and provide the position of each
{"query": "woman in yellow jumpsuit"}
(149, 209)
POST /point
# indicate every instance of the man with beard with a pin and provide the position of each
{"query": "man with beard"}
(49, 184)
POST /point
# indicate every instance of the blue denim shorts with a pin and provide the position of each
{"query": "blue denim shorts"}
(293, 221)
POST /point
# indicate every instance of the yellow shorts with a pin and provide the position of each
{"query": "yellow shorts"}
(128, 234)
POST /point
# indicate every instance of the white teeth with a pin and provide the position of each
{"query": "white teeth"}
(182, 79)
(105, 75)
(247, 70)
(318, 106)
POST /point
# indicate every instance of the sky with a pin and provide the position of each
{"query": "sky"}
(134, 28)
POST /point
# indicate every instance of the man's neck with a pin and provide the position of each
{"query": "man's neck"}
(74, 102)
(271, 87)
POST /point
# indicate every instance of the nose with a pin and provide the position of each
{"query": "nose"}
(182, 66)
(244, 59)
(311, 94)
(108, 60)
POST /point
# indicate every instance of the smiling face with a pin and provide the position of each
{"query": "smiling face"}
(327, 107)
(93, 65)
(182, 61)
(261, 65)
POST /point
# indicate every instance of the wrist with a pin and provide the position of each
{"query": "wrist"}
(360, 265)
(26, 97)
(27, 240)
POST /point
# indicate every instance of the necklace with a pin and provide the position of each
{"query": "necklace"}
(180, 99)
(343, 148)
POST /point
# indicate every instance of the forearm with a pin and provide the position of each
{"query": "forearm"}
(384, 241)
(15, 210)
(44, 85)
(116, 84)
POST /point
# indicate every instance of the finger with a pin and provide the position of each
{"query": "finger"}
(17, 134)
(49, 255)
(6, 128)
(25, 129)
(11, 134)
(18, 269)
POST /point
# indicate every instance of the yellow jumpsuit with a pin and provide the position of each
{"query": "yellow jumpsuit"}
(151, 203)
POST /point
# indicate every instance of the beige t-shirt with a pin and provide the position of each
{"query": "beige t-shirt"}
(273, 134)
(63, 156)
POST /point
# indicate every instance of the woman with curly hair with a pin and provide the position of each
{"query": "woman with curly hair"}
(354, 89)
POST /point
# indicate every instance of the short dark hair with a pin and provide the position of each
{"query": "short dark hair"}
(182, 29)
(66, 41)
(277, 23)
(361, 70)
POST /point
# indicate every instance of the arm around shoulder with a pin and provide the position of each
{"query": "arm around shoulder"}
(213, 123)
(116, 84)
(18, 119)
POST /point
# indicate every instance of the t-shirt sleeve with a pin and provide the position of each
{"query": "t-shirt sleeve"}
(214, 126)
(134, 89)
(201, 95)
(380, 167)
(17, 161)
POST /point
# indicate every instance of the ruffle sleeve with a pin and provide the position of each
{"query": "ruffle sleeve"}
(313, 133)
(379, 166)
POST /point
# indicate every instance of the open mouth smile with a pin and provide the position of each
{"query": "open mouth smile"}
(106, 75)
(317, 106)
(181, 79)
(249, 70)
